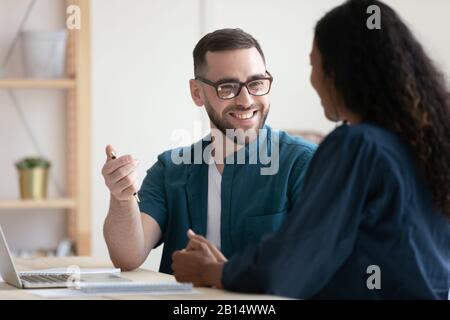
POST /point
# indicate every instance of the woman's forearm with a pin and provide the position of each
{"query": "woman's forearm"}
(213, 274)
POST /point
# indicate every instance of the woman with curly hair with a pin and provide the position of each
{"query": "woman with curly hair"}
(374, 219)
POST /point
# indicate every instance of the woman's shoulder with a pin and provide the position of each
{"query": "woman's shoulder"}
(364, 131)
(369, 143)
(366, 134)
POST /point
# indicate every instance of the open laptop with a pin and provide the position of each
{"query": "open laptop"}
(24, 280)
(96, 284)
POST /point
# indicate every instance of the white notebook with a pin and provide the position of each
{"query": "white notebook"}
(81, 271)
(134, 287)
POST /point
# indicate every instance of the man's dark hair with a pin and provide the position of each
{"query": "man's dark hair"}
(222, 40)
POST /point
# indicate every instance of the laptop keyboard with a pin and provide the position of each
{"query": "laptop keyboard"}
(45, 278)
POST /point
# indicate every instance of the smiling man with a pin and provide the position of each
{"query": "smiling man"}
(220, 187)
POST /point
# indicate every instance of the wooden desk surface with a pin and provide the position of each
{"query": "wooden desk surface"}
(10, 292)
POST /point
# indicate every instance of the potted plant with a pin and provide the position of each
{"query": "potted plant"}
(33, 177)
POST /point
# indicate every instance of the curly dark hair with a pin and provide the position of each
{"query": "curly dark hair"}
(385, 77)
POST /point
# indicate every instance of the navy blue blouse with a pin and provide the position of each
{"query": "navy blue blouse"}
(365, 228)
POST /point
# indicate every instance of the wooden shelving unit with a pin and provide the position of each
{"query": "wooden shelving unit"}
(37, 83)
(57, 203)
(77, 85)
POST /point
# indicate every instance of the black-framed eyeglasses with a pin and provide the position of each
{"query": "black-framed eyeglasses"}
(227, 89)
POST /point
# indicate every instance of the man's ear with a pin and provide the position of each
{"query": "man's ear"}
(196, 93)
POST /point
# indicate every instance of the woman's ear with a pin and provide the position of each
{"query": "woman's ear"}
(196, 93)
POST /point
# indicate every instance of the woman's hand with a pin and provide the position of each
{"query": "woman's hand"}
(200, 262)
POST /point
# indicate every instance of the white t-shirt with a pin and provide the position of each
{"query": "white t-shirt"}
(214, 205)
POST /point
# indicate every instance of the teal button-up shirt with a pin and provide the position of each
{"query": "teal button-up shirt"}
(252, 204)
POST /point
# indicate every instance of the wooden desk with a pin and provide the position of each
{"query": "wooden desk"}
(10, 292)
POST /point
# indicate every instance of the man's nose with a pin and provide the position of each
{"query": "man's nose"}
(244, 99)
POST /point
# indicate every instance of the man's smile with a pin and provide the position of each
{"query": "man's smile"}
(244, 116)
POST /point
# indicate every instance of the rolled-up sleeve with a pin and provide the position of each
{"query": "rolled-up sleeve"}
(153, 195)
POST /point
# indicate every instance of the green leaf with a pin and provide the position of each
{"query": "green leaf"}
(33, 162)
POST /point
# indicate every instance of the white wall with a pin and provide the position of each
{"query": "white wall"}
(141, 54)
(141, 64)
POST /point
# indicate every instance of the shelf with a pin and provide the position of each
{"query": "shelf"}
(37, 83)
(58, 203)
(76, 86)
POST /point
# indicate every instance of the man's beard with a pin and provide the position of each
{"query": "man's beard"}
(225, 127)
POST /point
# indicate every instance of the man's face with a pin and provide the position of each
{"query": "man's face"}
(244, 111)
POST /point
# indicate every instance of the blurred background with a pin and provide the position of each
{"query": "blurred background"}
(125, 82)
